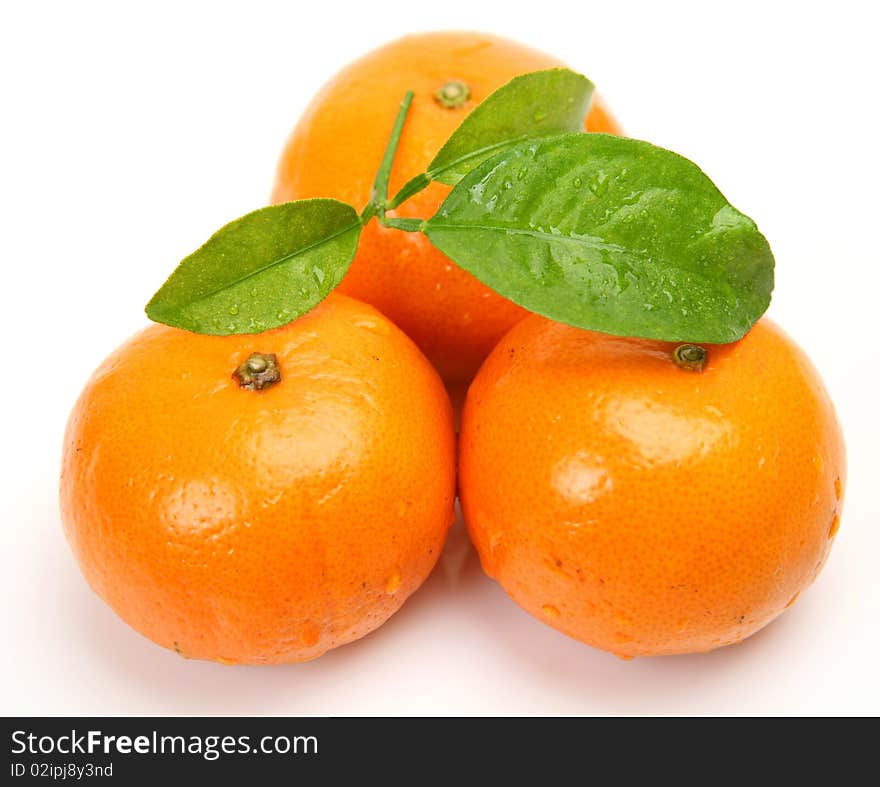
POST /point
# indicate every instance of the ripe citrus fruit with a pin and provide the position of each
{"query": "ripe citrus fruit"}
(249, 525)
(335, 151)
(645, 508)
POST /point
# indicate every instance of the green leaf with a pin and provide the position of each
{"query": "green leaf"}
(262, 270)
(529, 106)
(609, 234)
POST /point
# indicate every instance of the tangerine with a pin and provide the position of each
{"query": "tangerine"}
(641, 505)
(335, 151)
(261, 498)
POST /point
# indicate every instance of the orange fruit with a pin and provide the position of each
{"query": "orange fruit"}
(335, 151)
(261, 526)
(641, 507)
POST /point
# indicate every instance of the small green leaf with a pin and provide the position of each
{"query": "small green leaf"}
(262, 270)
(609, 234)
(529, 106)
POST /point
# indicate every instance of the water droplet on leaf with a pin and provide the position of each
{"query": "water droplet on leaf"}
(599, 183)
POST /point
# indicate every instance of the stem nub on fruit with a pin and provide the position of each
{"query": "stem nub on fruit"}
(259, 371)
(452, 94)
(691, 357)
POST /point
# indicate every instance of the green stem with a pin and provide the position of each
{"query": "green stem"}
(407, 225)
(410, 188)
(380, 185)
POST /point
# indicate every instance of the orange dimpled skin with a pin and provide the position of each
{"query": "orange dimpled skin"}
(335, 151)
(261, 526)
(643, 508)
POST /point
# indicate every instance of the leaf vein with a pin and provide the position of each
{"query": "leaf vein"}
(587, 240)
(275, 263)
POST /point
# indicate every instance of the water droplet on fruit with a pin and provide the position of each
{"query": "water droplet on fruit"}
(792, 600)
(550, 611)
(577, 183)
(392, 585)
(838, 488)
(233, 309)
(319, 275)
(380, 327)
(309, 634)
(539, 115)
(835, 526)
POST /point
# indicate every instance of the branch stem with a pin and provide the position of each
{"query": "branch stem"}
(380, 184)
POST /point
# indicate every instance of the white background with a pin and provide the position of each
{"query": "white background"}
(131, 132)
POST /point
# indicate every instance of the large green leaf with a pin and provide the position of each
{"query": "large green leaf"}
(262, 270)
(609, 234)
